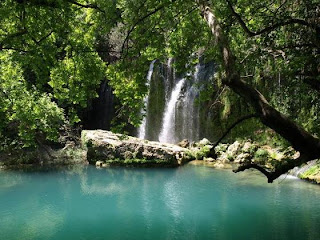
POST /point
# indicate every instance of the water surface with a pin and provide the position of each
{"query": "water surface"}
(191, 202)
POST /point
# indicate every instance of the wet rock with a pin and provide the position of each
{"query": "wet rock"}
(208, 159)
(220, 165)
(99, 163)
(224, 158)
(105, 165)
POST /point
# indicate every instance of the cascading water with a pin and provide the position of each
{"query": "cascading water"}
(167, 132)
(170, 75)
(190, 127)
(142, 128)
(173, 111)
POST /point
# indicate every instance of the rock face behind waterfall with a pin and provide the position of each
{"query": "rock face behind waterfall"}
(106, 148)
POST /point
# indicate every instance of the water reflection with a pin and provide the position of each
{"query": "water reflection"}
(192, 202)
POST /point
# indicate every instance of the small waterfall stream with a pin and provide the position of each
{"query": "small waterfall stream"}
(142, 128)
(167, 133)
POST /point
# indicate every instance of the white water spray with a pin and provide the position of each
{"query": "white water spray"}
(167, 133)
(144, 110)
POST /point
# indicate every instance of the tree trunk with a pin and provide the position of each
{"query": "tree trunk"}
(302, 141)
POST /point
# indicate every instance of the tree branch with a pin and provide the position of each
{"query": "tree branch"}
(140, 20)
(53, 4)
(15, 49)
(10, 36)
(272, 175)
(41, 39)
(271, 27)
(244, 167)
(233, 126)
(94, 5)
(137, 23)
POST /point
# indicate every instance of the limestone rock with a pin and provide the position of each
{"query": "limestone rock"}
(204, 142)
(222, 147)
(99, 163)
(233, 148)
(208, 159)
(243, 157)
(184, 143)
(249, 147)
(219, 164)
(120, 149)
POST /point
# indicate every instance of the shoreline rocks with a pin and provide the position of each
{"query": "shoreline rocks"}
(105, 149)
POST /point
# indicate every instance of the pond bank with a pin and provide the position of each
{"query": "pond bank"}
(105, 149)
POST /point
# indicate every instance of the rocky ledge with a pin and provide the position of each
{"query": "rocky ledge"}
(105, 148)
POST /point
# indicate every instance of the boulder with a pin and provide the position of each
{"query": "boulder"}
(224, 158)
(203, 142)
(233, 148)
(118, 149)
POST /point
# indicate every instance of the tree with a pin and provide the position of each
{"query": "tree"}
(302, 141)
(50, 64)
(289, 44)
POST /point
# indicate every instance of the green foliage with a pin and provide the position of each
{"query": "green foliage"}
(74, 80)
(25, 113)
(199, 153)
(50, 65)
(312, 171)
(129, 88)
(261, 153)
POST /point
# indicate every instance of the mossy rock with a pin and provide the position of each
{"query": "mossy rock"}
(199, 153)
(312, 174)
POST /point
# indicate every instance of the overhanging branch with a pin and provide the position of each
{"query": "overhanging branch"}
(271, 27)
(233, 126)
(279, 170)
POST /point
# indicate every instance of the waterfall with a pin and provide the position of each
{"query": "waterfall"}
(170, 75)
(144, 110)
(167, 133)
(191, 110)
(172, 108)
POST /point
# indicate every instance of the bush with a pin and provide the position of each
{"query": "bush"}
(202, 152)
(261, 153)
